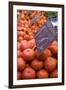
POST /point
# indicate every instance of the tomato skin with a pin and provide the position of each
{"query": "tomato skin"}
(31, 37)
(54, 74)
(55, 43)
(21, 64)
(46, 53)
(50, 64)
(20, 33)
(54, 49)
(42, 74)
(28, 54)
(19, 53)
(36, 64)
(18, 75)
(40, 57)
(20, 38)
(24, 45)
(31, 43)
(28, 73)
(18, 45)
(26, 37)
(36, 53)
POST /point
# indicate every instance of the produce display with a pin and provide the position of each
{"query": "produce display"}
(31, 65)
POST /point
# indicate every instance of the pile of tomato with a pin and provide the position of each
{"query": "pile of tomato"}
(31, 65)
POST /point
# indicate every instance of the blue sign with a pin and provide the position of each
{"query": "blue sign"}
(45, 36)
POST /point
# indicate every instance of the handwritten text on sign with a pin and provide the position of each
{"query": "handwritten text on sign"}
(45, 36)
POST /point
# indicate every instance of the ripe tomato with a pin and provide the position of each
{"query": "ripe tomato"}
(54, 74)
(28, 54)
(20, 38)
(21, 64)
(28, 73)
(54, 49)
(24, 45)
(18, 75)
(26, 37)
(18, 45)
(50, 64)
(31, 43)
(42, 74)
(46, 53)
(19, 53)
(36, 64)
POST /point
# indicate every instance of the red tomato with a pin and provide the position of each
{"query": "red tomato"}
(18, 75)
(28, 73)
(24, 45)
(54, 74)
(18, 45)
(20, 33)
(21, 64)
(42, 74)
(36, 64)
(31, 43)
(53, 49)
(55, 43)
(26, 37)
(19, 53)
(50, 64)
(20, 38)
(46, 53)
(28, 54)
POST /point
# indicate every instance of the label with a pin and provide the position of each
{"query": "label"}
(45, 36)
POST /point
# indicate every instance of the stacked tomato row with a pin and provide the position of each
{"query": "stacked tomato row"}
(31, 65)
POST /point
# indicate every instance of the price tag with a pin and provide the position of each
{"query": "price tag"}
(45, 36)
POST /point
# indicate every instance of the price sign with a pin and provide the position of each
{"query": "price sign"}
(45, 36)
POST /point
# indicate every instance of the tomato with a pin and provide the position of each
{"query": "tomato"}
(46, 53)
(36, 64)
(20, 38)
(28, 54)
(31, 37)
(50, 64)
(53, 49)
(42, 74)
(21, 64)
(18, 75)
(18, 45)
(55, 43)
(20, 33)
(19, 53)
(24, 45)
(28, 73)
(54, 74)
(26, 37)
(31, 43)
